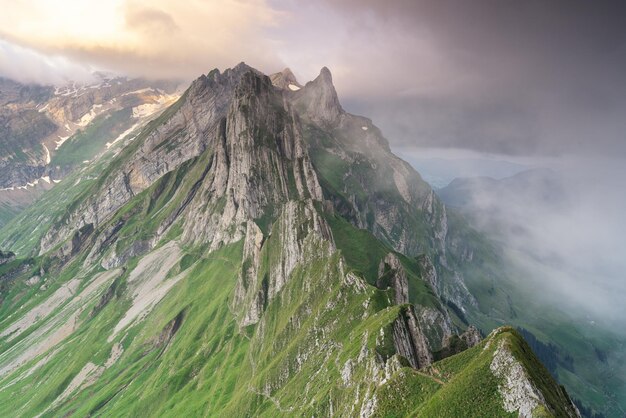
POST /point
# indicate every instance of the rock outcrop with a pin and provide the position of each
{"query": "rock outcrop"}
(296, 236)
(285, 80)
(319, 99)
(6, 257)
(180, 134)
(471, 336)
(391, 274)
(259, 162)
(409, 339)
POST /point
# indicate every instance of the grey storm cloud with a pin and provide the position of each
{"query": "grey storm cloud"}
(529, 77)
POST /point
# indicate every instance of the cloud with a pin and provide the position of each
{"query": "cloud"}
(565, 229)
(528, 77)
(29, 66)
(157, 38)
(150, 20)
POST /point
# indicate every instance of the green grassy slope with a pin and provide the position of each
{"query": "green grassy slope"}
(7, 213)
(210, 368)
(322, 344)
(90, 141)
(469, 381)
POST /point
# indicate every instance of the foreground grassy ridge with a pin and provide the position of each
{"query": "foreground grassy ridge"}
(208, 368)
(321, 346)
(470, 385)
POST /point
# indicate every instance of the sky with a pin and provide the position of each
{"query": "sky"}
(507, 77)
(528, 83)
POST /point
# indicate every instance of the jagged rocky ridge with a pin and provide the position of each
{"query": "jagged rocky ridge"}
(248, 194)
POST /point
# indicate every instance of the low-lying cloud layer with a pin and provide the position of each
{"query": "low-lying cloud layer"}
(565, 227)
(27, 65)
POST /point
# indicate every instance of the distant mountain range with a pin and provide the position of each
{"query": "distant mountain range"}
(46, 132)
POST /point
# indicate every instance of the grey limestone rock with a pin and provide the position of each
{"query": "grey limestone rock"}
(391, 273)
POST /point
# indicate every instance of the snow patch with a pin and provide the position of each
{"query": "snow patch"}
(27, 185)
(145, 109)
(293, 87)
(148, 109)
(365, 128)
(122, 135)
(146, 90)
(89, 116)
(61, 140)
(48, 159)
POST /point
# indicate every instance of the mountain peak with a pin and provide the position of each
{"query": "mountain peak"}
(285, 80)
(320, 98)
(325, 74)
(241, 66)
(288, 74)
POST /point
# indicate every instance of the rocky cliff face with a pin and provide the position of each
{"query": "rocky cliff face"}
(6, 257)
(22, 130)
(259, 161)
(182, 134)
(391, 274)
(285, 80)
(318, 99)
(377, 191)
(410, 341)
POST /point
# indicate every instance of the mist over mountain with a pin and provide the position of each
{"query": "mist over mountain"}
(565, 226)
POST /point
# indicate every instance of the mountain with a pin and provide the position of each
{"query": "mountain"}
(46, 132)
(439, 172)
(254, 251)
